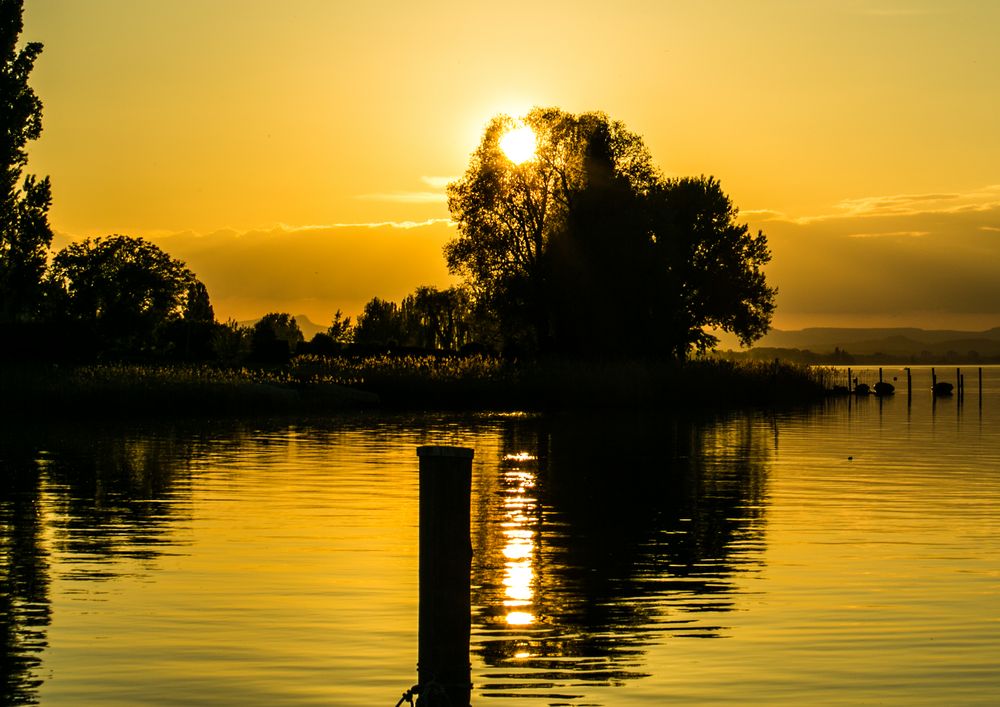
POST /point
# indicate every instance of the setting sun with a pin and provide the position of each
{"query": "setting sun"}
(519, 144)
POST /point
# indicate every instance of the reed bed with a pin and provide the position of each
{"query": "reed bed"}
(417, 382)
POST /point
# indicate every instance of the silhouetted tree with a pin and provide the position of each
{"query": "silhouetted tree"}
(509, 215)
(340, 329)
(436, 319)
(707, 267)
(379, 324)
(197, 306)
(231, 343)
(191, 337)
(275, 337)
(25, 235)
(126, 289)
(332, 341)
(587, 247)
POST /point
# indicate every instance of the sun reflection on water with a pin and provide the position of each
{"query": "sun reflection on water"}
(519, 510)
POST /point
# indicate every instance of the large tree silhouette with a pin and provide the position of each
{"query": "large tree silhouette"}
(587, 248)
(126, 289)
(24, 229)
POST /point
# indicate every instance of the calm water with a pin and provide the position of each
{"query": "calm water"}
(845, 555)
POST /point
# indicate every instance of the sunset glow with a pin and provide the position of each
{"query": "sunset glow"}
(224, 154)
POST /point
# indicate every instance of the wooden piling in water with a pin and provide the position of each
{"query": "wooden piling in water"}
(879, 374)
(909, 384)
(980, 387)
(850, 381)
(933, 382)
(443, 669)
(958, 383)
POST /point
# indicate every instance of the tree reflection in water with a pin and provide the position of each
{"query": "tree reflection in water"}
(107, 497)
(600, 534)
(24, 576)
(594, 536)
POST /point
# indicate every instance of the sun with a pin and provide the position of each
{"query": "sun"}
(519, 144)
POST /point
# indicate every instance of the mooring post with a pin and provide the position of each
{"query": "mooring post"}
(980, 387)
(879, 374)
(909, 384)
(934, 382)
(443, 670)
(958, 383)
(849, 380)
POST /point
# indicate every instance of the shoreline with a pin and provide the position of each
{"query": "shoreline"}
(399, 383)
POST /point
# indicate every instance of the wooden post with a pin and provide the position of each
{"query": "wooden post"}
(909, 384)
(980, 386)
(879, 374)
(958, 383)
(850, 380)
(443, 670)
(933, 381)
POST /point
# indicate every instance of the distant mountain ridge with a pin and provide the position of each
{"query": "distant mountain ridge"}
(896, 341)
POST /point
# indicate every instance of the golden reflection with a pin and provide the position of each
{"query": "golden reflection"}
(520, 618)
(520, 539)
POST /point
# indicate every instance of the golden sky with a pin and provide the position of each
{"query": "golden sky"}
(294, 153)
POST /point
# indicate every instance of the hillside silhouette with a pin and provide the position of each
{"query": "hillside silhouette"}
(897, 342)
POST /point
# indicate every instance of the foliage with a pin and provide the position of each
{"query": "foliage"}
(428, 319)
(379, 324)
(24, 229)
(586, 248)
(126, 289)
(419, 382)
(340, 329)
(436, 319)
(231, 342)
(709, 265)
(490, 382)
(275, 337)
(127, 389)
(197, 306)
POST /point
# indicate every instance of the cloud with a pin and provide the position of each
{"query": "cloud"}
(407, 197)
(438, 182)
(437, 196)
(311, 269)
(980, 200)
(406, 225)
(890, 234)
(896, 204)
(763, 215)
(900, 258)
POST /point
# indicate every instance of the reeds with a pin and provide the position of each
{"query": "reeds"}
(418, 382)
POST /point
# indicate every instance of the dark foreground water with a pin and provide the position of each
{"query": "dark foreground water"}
(844, 555)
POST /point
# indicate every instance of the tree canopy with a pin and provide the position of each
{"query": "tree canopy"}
(586, 247)
(428, 318)
(126, 288)
(25, 235)
(275, 337)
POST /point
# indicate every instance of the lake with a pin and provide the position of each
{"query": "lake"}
(843, 554)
